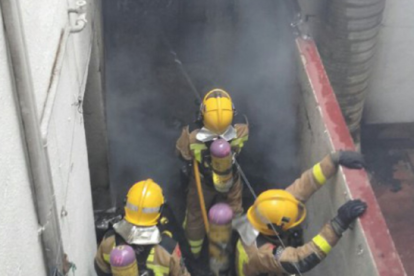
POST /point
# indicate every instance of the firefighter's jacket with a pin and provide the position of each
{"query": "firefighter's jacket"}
(260, 256)
(163, 259)
(189, 146)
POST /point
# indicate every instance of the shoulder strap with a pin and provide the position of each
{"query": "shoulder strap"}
(119, 240)
(141, 251)
(195, 125)
(109, 233)
(239, 120)
(168, 244)
(260, 241)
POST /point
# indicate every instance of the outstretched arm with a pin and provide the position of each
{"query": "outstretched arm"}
(306, 257)
(313, 179)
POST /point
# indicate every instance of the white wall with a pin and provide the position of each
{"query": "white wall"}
(68, 158)
(20, 251)
(43, 21)
(391, 97)
(67, 148)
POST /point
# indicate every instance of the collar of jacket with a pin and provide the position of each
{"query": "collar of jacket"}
(246, 230)
(205, 135)
(138, 235)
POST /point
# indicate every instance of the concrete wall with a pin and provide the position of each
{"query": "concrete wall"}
(322, 206)
(18, 227)
(391, 94)
(367, 249)
(59, 88)
(67, 144)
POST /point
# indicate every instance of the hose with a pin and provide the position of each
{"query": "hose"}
(201, 196)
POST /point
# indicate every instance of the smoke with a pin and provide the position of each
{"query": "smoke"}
(264, 80)
(248, 47)
(245, 47)
(145, 111)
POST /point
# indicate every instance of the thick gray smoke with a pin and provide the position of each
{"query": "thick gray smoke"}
(250, 52)
(263, 77)
(145, 110)
(246, 49)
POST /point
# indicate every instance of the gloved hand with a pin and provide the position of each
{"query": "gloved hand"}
(349, 159)
(347, 214)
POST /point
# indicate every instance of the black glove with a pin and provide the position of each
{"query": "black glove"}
(347, 214)
(349, 159)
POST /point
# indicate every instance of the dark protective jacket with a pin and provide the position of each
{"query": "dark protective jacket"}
(264, 257)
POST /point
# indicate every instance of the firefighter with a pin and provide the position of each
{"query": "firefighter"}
(135, 246)
(259, 251)
(213, 141)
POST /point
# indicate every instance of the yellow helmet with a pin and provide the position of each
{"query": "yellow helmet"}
(144, 203)
(217, 111)
(277, 207)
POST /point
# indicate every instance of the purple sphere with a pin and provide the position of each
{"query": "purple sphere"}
(220, 148)
(122, 255)
(220, 214)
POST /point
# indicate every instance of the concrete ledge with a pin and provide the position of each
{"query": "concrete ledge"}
(368, 248)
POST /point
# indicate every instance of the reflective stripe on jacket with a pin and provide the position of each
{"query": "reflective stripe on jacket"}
(189, 147)
(266, 258)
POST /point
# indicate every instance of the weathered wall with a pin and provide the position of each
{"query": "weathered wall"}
(95, 118)
(322, 206)
(68, 159)
(59, 88)
(67, 145)
(367, 249)
(43, 22)
(18, 220)
(390, 95)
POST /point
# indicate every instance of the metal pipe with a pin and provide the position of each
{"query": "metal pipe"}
(53, 87)
(57, 69)
(38, 160)
(80, 24)
(81, 21)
